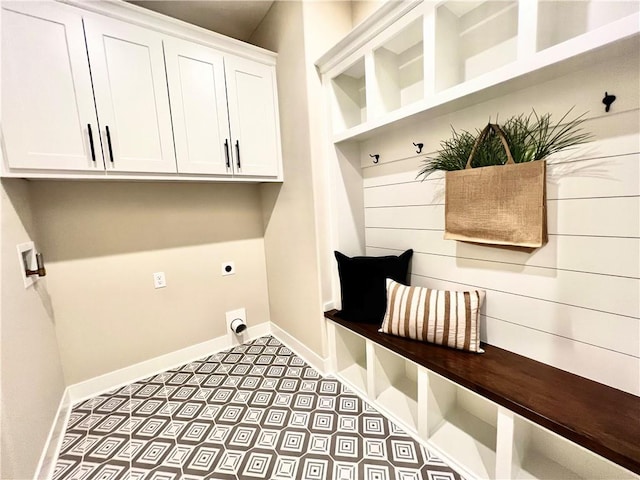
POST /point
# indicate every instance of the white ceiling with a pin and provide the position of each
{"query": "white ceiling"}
(233, 18)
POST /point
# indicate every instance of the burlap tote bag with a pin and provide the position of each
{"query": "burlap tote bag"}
(499, 205)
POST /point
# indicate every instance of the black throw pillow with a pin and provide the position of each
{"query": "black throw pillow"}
(363, 284)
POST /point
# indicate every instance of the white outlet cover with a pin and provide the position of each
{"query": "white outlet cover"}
(159, 280)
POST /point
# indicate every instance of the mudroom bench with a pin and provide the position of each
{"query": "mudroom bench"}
(493, 415)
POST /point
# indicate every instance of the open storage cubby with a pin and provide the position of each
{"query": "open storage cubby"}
(473, 38)
(541, 454)
(560, 21)
(351, 358)
(396, 385)
(463, 425)
(424, 58)
(399, 68)
(349, 97)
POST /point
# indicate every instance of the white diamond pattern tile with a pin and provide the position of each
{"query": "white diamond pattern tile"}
(256, 411)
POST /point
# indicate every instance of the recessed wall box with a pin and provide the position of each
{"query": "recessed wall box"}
(27, 259)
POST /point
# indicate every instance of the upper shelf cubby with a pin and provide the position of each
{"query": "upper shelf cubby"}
(399, 69)
(473, 38)
(421, 58)
(560, 21)
(349, 97)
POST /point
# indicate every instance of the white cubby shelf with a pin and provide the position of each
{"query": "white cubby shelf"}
(421, 59)
(349, 96)
(493, 415)
(350, 359)
(462, 425)
(395, 385)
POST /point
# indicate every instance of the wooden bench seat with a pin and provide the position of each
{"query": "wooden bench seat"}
(600, 418)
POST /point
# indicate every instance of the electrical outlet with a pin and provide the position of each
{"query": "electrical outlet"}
(159, 280)
(228, 268)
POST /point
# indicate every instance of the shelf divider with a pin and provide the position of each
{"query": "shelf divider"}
(371, 371)
(527, 29)
(423, 395)
(504, 444)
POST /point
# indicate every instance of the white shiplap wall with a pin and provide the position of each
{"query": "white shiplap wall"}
(574, 303)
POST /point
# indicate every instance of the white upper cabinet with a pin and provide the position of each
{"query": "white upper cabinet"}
(253, 116)
(198, 107)
(131, 96)
(48, 116)
(104, 89)
(224, 112)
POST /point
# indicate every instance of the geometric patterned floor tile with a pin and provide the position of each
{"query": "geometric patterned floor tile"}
(255, 411)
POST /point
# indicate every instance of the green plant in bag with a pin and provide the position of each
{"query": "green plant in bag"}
(530, 137)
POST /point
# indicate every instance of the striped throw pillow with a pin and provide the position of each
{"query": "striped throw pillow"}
(436, 316)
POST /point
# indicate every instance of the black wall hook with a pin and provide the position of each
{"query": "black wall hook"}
(376, 158)
(608, 100)
(419, 145)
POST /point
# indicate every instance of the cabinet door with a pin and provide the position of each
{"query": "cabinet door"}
(47, 101)
(253, 116)
(127, 67)
(195, 75)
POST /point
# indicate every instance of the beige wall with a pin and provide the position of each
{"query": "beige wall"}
(290, 243)
(298, 35)
(32, 380)
(102, 243)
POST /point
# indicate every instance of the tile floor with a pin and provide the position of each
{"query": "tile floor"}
(256, 411)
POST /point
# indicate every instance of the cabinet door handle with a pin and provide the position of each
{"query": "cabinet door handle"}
(238, 153)
(93, 150)
(109, 144)
(226, 152)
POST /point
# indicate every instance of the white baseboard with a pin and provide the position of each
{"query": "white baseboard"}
(108, 381)
(47, 462)
(304, 352)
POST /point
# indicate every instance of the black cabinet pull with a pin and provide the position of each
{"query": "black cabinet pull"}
(93, 150)
(226, 152)
(109, 144)
(238, 153)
